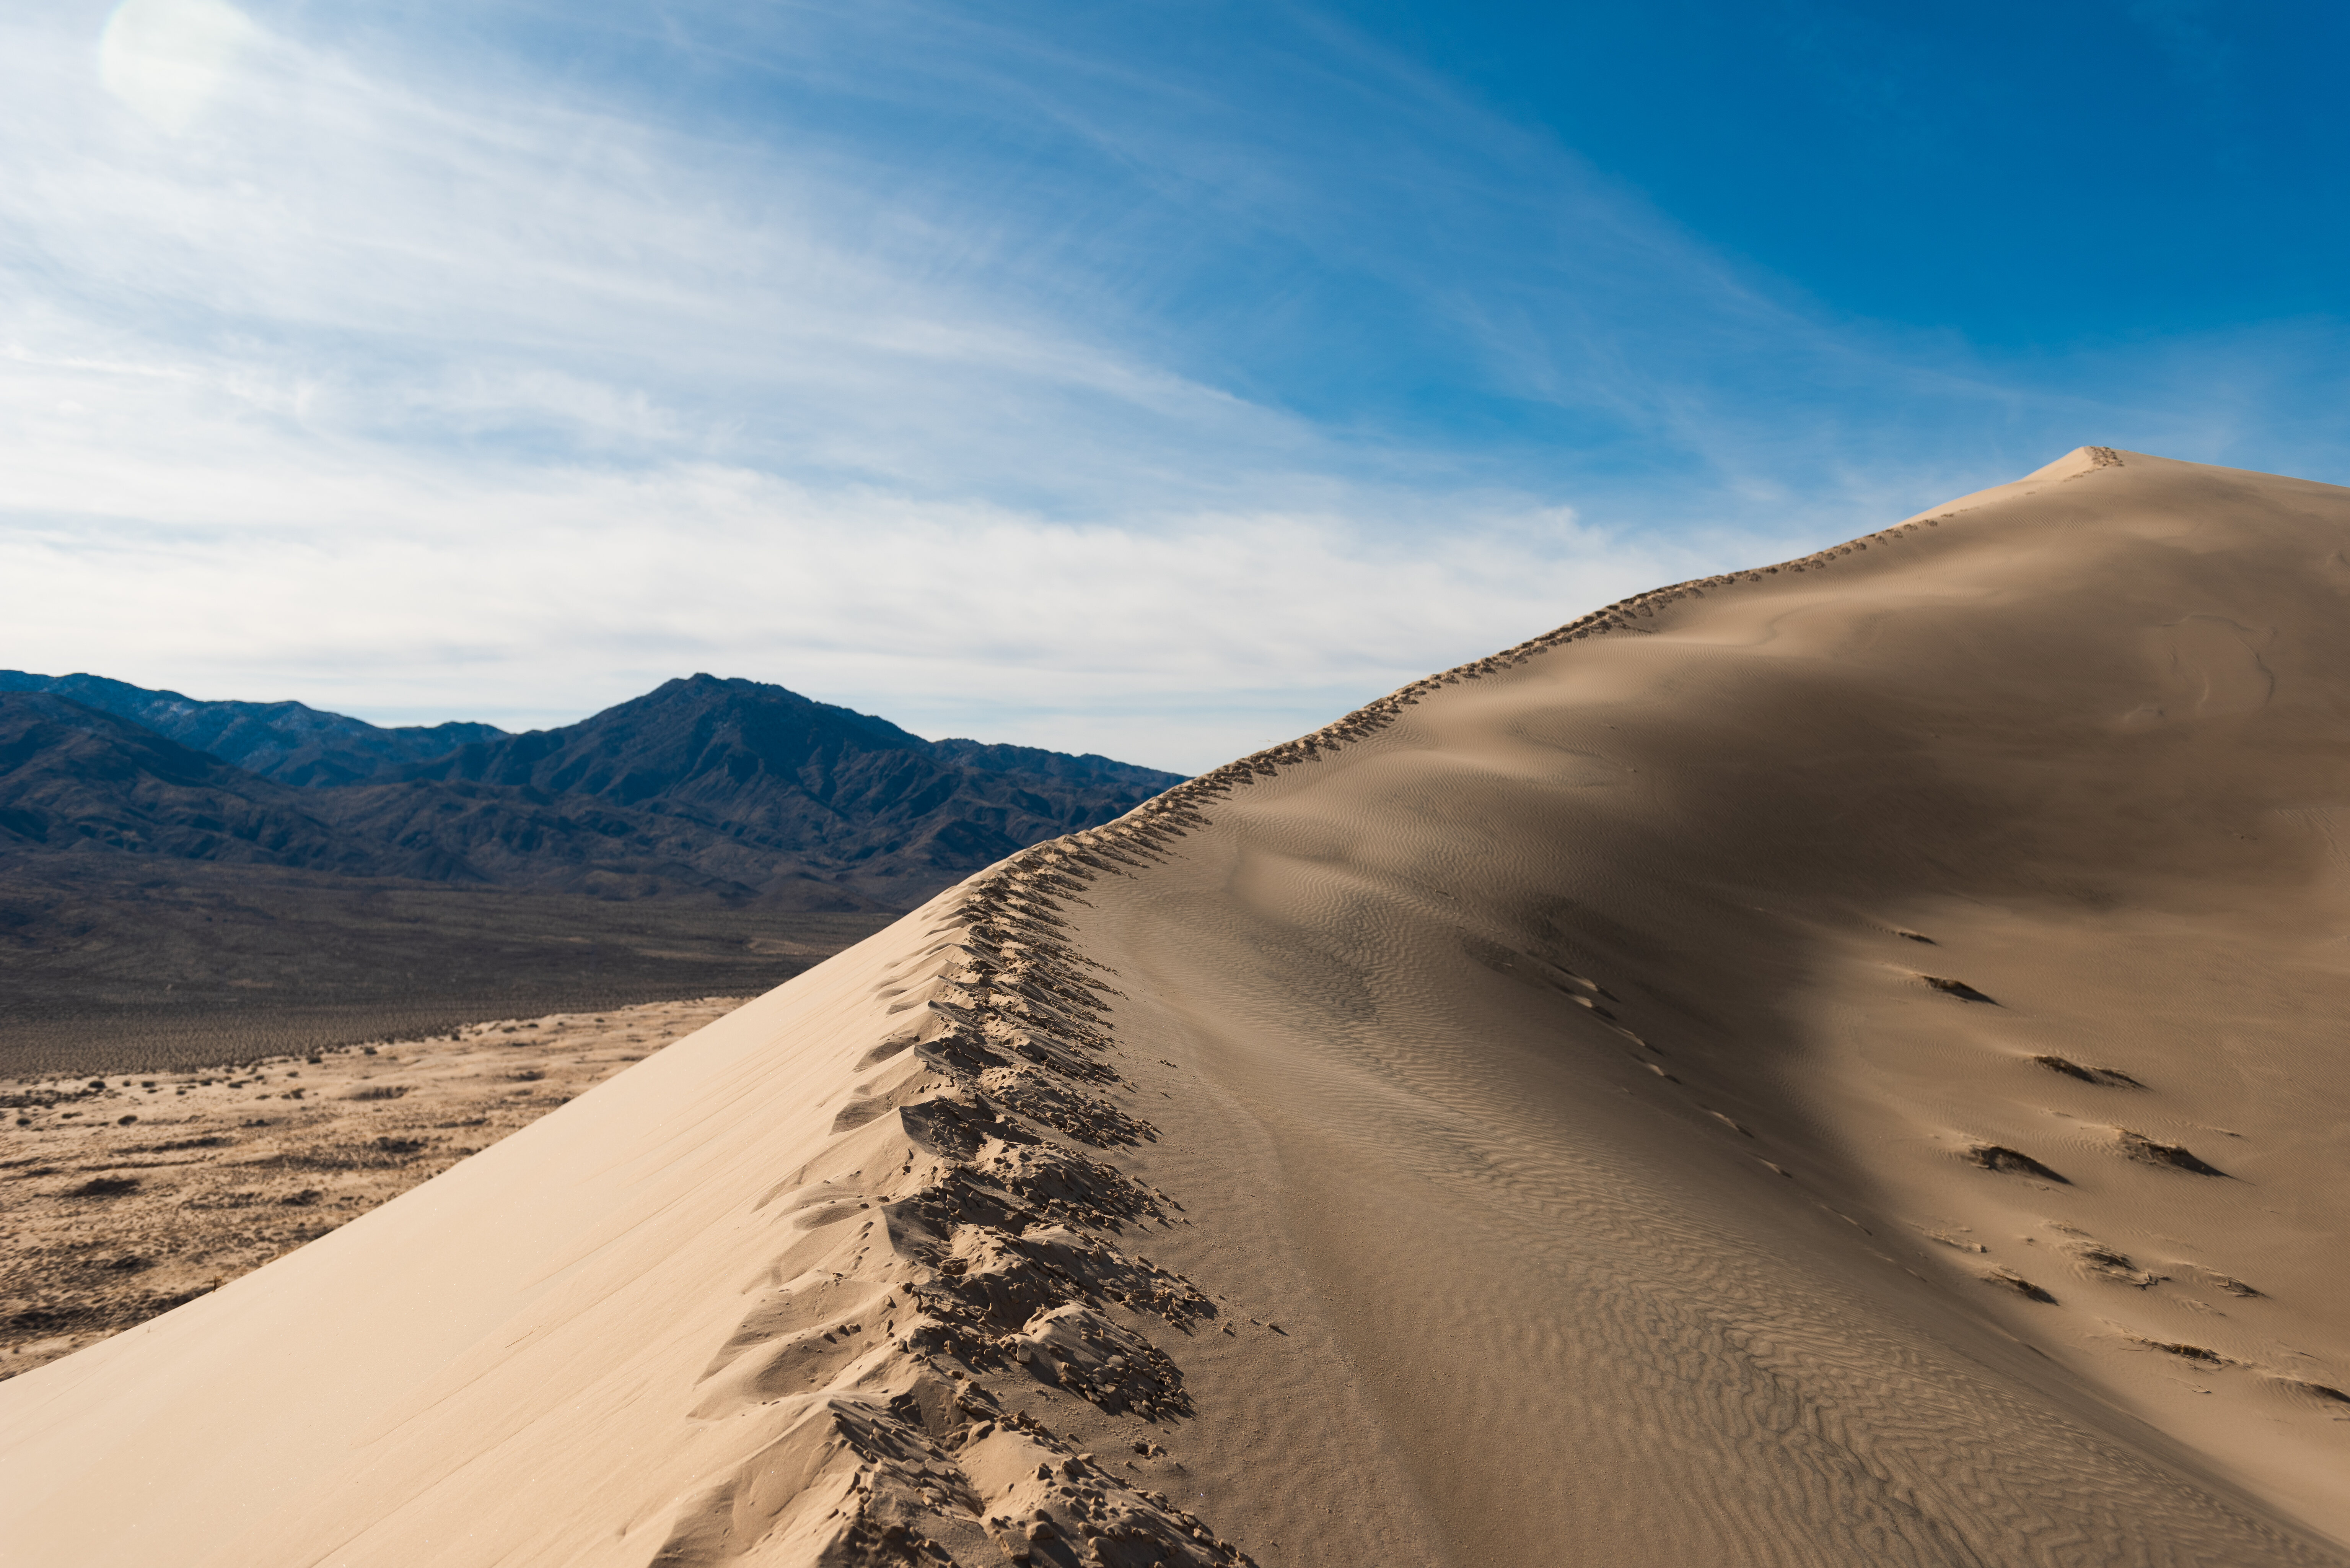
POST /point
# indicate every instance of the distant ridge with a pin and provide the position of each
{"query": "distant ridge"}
(290, 743)
(73, 777)
(818, 778)
(704, 786)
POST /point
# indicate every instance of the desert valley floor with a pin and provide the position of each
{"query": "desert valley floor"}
(1839, 1063)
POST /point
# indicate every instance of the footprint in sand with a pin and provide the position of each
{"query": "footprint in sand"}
(2007, 1279)
(2113, 1077)
(2012, 1162)
(2110, 1263)
(2176, 1157)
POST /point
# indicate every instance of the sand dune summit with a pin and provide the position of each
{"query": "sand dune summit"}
(1834, 1063)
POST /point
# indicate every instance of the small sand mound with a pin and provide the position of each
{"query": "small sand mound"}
(2110, 1076)
(2175, 1157)
(2011, 1162)
(2007, 1279)
(1957, 988)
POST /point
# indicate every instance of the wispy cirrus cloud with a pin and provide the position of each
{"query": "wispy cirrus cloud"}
(1175, 642)
(1039, 376)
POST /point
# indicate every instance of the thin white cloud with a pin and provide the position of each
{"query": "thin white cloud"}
(429, 267)
(408, 384)
(380, 590)
(410, 406)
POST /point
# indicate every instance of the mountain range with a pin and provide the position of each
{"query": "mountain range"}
(704, 786)
(289, 742)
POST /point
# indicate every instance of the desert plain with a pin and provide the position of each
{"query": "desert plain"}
(1835, 1063)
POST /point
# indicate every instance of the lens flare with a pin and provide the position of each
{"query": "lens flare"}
(167, 60)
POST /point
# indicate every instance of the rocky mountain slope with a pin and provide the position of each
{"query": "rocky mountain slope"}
(706, 786)
(73, 778)
(288, 742)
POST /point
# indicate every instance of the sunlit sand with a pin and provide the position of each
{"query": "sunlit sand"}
(1838, 1063)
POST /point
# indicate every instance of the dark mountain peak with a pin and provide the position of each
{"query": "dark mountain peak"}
(290, 743)
(768, 766)
(712, 742)
(759, 706)
(702, 785)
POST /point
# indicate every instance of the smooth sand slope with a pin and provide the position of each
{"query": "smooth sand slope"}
(128, 1197)
(1840, 1063)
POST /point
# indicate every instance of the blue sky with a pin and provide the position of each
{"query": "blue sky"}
(1154, 378)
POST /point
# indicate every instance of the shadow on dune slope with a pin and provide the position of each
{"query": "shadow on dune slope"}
(1833, 1063)
(1632, 1035)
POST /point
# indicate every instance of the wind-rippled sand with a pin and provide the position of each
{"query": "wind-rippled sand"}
(1834, 1063)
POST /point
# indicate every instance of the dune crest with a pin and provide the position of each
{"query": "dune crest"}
(1828, 1063)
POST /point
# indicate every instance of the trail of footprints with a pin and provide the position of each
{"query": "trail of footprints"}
(964, 1243)
(961, 1240)
(2096, 1258)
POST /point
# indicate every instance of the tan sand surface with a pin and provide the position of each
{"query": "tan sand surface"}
(125, 1197)
(1837, 1064)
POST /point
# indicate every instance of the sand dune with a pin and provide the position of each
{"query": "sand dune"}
(1837, 1064)
(128, 1196)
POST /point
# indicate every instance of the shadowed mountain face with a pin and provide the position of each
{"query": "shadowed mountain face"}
(76, 781)
(782, 773)
(710, 787)
(287, 742)
(72, 777)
